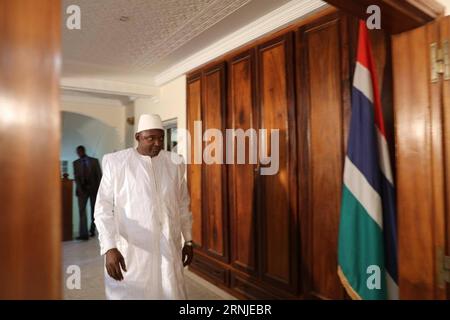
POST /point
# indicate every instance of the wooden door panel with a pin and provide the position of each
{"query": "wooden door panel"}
(30, 189)
(194, 171)
(214, 175)
(421, 159)
(242, 176)
(321, 46)
(277, 202)
(445, 134)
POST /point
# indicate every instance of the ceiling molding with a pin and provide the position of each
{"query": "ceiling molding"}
(396, 16)
(95, 85)
(269, 22)
(86, 100)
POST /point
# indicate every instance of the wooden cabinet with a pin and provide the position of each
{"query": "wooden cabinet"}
(275, 236)
(206, 100)
(261, 209)
(277, 202)
(322, 73)
(242, 114)
(194, 171)
(214, 174)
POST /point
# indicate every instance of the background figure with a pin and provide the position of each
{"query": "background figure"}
(87, 179)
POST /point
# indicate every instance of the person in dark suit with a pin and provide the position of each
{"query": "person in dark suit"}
(87, 179)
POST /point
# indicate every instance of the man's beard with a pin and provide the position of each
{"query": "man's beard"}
(155, 151)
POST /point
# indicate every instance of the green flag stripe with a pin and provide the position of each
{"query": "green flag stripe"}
(360, 247)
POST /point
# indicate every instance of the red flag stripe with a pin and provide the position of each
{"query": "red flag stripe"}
(365, 58)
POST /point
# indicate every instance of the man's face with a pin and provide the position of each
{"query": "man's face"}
(80, 152)
(151, 141)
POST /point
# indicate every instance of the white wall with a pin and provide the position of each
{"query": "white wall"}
(446, 3)
(110, 113)
(171, 104)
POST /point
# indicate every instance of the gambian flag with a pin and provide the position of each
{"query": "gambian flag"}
(367, 249)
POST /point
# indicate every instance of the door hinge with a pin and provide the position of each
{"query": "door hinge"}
(443, 268)
(440, 61)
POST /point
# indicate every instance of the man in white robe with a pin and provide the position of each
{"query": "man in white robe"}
(141, 212)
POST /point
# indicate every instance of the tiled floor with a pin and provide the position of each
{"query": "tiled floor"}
(86, 256)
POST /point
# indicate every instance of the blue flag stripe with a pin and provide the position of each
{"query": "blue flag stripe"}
(362, 144)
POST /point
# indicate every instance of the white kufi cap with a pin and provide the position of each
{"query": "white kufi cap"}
(149, 121)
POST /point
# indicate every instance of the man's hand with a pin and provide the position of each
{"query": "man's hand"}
(115, 260)
(187, 255)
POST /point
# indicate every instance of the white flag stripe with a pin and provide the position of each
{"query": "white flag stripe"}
(363, 82)
(392, 287)
(385, 162)
(363, 191)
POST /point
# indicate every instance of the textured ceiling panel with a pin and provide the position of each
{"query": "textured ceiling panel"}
(154, 29)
